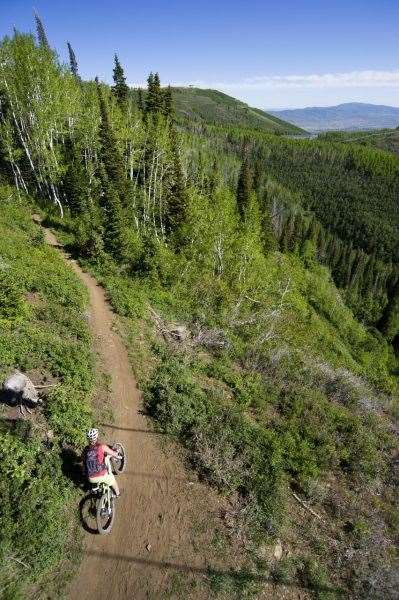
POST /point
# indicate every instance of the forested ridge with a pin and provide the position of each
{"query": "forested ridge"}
(278, 260)
(384, 139)
(342, 198)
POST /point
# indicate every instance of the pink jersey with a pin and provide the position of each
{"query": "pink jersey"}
(94, 459)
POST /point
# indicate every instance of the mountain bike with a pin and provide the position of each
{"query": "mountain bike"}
(103, 495)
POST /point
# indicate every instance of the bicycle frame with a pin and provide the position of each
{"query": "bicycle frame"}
(102, 488)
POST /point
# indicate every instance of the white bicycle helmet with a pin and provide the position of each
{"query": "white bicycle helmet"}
(92, 435)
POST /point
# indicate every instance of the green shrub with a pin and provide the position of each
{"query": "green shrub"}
(126, 297)
(285, 572)
(227, 448)
(315, 577)
(37, 238)
(238, 584)
(13, 307)
(175, 400)
(69, 414)
(34, 515)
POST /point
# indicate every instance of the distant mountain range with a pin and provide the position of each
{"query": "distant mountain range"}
(349, 116)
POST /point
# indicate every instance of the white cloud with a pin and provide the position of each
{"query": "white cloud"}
(352, 79)
(295, 91)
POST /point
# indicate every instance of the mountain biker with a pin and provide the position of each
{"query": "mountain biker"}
(96, 460)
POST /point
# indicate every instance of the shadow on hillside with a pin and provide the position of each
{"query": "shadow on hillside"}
(13, 399)
(56, 225)
(141, 475)
(108, 426)
(239, 577)
(71, 465)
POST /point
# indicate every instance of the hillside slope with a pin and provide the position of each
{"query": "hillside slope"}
(348, 116)
(212, 106)
(384, 139)
(327, 193)
(270, 388)
(44, 334)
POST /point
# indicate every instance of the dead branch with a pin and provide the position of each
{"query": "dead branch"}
(211, 338)
(158, 321)
(303, 503)
(43, 386)
(21, 562)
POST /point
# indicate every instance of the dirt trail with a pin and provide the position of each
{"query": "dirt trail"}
(156, 507)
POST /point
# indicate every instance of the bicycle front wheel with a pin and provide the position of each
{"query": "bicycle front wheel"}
(119, 465)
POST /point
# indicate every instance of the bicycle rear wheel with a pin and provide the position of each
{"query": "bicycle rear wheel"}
(105, 513)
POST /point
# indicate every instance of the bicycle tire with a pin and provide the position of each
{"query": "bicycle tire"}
(100, 507)
(119, 465)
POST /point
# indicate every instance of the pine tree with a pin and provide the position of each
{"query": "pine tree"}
(120, 89)
(298, 233)
(389, 323)
(150, 94)
(334, 251)
(212, 179)
(350, 261)
(113, 217)
(258, 174)
(269, 240)
(109, 154)
(75, 181)
(322, 246)
(244, 187)
(73, 62)
(370, 273)
(176, 195)
(358, 270)
(158, 93)
(315, 232)
(41, 33)
(287, 240)
(167, 108)
(89, 232)
(154, 100)
(6, 163)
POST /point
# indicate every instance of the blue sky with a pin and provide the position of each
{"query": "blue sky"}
(270, 54)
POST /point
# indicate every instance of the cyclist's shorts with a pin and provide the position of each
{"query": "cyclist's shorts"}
(108, 478)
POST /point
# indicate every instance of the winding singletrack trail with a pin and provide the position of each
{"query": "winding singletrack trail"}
(152, 539)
